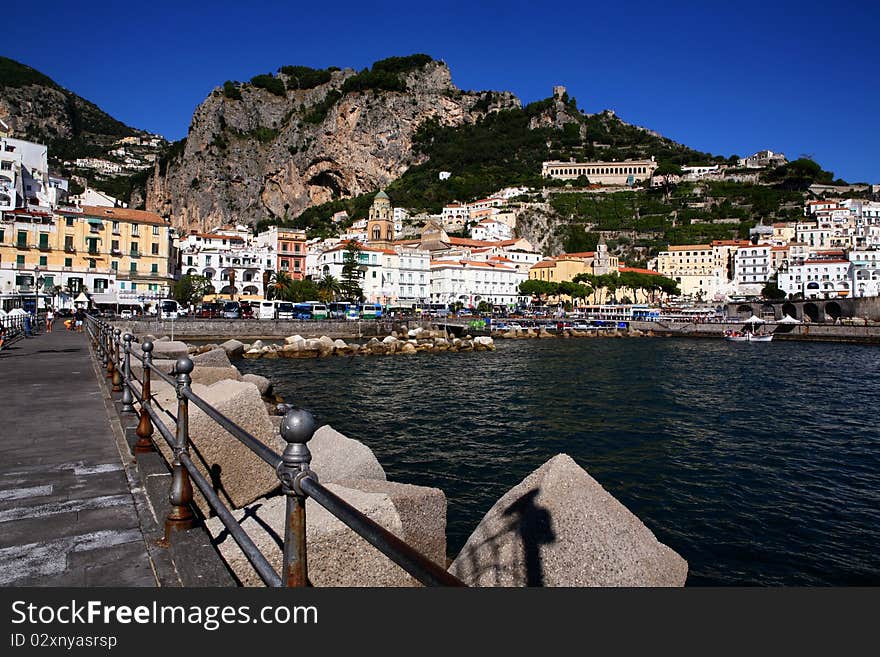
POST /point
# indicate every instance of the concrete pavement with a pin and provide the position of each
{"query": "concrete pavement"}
(67, 513)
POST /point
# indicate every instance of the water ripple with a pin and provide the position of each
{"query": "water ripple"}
(759, 464)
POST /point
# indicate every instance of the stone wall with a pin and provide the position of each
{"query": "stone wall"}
(251, 329)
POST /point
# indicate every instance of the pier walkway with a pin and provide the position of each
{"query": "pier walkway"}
(67, 513)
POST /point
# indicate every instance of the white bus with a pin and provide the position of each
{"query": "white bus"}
(284, 309)
(168, 309)
(266, 310)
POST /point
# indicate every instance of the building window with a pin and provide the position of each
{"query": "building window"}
(68, 262)
(19, 261)
(134, 248)
(154, 248)
(133, 267)
(135, 230)
(114, 265)
(115, 227)
(68, 221)
(43, 261)
(154, 268)
(92, 263)
(156, 231)
(22, 239)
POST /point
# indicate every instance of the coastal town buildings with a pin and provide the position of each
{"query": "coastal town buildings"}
(115, 255)
(230, 258)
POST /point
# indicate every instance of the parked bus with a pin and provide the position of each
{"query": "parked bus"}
(338, 309)
(302, 311)
(265, 309)
(319, 310)
(371, 311)
(168, 309)
(285, 310)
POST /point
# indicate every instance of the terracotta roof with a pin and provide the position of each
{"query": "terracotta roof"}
(690, 247)
(581, 254)
(124, 214)
(821, 261)
(638, 270)
(544, 264)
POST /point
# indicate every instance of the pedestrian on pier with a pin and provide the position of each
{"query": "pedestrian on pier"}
(80, 317)
(50, 319)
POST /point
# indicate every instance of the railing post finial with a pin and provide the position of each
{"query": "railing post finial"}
(297, 429)
(116, 374)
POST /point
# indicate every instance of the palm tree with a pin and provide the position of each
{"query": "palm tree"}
(279, 285)
(328, 288)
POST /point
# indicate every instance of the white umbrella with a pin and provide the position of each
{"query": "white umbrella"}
(18, 311)
(754, 319)
(788, 319)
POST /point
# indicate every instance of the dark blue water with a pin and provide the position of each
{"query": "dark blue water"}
(758, 463)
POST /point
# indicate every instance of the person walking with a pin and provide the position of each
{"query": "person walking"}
(50, 319)
(80, 318)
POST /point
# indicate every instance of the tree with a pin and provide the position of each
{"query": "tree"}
(190, 289)
(667, 171)
(484, 307)
(351, 274)
(328, 288)
(278, 286)
(535, 288)
(771, 290)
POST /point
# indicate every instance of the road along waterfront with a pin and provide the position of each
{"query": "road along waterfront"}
(760, 464)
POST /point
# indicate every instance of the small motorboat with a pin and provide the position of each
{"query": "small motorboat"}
(747, 336)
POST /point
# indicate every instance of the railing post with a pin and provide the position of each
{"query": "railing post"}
(117, 375)
(297, 428)
(180, 516)
(144, 429)
(102, 337)
(108, 339)
(127, 397)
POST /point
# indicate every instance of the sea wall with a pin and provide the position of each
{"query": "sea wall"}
(805, 332)
(252, 329)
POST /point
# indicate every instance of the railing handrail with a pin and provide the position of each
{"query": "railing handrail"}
(298, 481)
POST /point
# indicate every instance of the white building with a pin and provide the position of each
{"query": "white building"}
(752, 267)
(472, 281)
(491, 230)
(762, 159)
(454, 215)
(817, 279)
(24, 175)
(102, 166)
(229, 257)
(98, 198)
(395, 276)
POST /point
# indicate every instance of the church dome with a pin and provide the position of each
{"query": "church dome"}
(382, 195)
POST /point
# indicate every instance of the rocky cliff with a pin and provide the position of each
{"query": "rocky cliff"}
(265, 150)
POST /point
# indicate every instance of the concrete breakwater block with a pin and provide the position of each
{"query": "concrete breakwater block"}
(559, 527)
(169, 349)
(214, 358)
(336, 555)
(233, 348)
(336, 457)
(263, 384)
(237, 474)
(211, 375)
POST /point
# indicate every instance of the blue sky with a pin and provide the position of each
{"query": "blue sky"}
(800, 78)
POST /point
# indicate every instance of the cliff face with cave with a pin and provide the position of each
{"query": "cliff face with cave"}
(254, 154)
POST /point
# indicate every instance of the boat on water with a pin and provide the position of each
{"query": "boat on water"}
(747, 336)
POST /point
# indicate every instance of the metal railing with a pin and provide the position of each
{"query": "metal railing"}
(298, 481)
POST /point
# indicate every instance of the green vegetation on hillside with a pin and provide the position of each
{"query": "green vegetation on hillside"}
(231, 90)
(303, 77)
(270, 83)
(15, 74)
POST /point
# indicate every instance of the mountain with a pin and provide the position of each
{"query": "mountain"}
(272, 147)
(37, 109)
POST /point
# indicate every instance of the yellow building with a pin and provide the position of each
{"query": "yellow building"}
(115, 255)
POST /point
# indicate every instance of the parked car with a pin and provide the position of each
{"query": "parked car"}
(126, 314)
(247, 310)
(232, 310)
